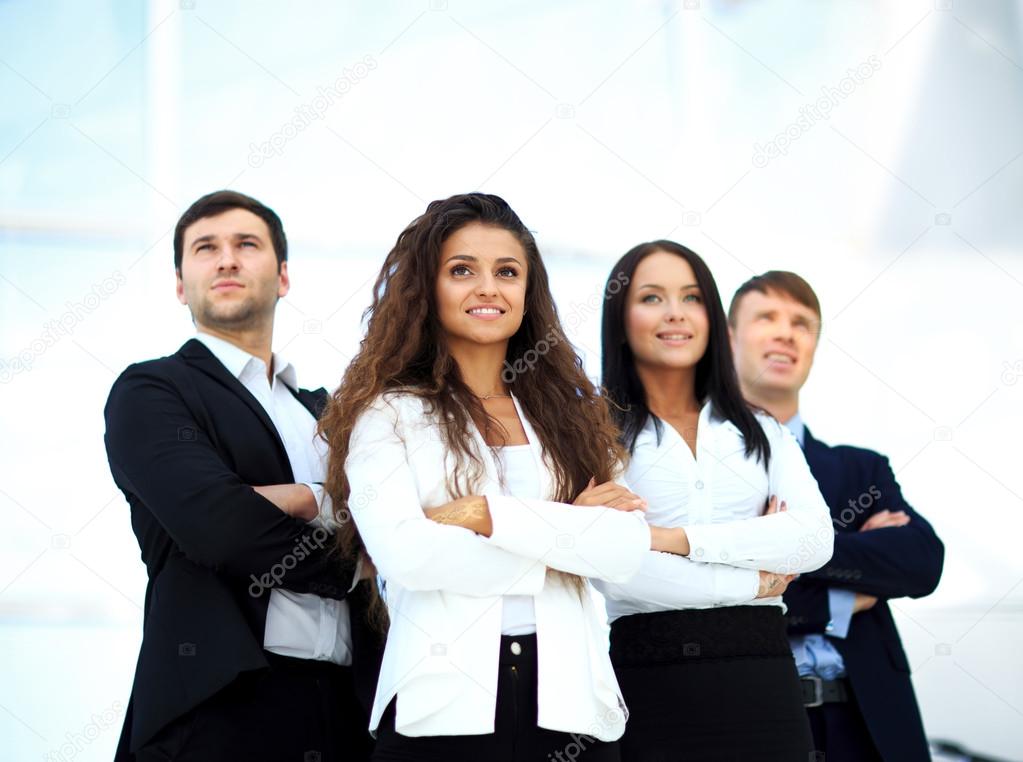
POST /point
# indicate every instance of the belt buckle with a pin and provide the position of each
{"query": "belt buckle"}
(818, 691)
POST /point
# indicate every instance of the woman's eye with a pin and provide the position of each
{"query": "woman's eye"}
(650, 299)
(695, 298)
(204, 247)
(459, 270)
(508, 272)
(248, 243)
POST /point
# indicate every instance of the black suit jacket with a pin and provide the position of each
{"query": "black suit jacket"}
(186, 441)
(887, 563)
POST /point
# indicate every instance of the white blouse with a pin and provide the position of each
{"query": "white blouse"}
(719, 497)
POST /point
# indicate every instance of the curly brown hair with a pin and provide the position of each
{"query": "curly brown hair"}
(404, 348)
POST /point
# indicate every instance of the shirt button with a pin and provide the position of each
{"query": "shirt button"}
(515, 647)
(698, 484)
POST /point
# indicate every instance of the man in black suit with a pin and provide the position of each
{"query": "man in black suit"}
(252, 620)
(855, 676)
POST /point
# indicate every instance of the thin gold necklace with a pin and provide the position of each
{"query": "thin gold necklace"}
(491, 396)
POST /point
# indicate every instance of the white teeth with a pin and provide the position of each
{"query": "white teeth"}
(673, 336)
(774, 357)
(485, 311)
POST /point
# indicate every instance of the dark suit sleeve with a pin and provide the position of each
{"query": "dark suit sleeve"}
(159, 453)
(808, 608)
(888, 563)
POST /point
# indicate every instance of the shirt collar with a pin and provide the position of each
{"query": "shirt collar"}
(239, 362)
(796, 426)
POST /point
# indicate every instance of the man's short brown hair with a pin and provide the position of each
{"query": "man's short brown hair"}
(780, 281)
(222, 201)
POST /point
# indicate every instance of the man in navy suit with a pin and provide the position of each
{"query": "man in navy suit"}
(855, 676)
(254, 646)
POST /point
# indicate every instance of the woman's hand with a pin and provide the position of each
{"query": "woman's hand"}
(610, 495)
(470, 512)
(774, 507)
(773, 585)
(669, 540)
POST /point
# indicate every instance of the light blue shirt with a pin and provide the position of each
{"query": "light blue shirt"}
(815, 655)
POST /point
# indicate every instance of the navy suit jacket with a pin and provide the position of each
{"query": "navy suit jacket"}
(887, 563)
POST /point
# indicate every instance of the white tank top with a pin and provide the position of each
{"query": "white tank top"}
(521, 480)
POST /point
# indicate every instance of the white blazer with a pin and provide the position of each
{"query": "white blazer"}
(444, 584)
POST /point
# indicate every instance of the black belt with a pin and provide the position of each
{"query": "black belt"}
(685, 636)
(817, 691)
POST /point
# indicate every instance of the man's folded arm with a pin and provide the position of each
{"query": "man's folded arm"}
(159, 453)
(890, 562)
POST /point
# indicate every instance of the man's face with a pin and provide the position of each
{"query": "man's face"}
(773, 340)
(229, 276)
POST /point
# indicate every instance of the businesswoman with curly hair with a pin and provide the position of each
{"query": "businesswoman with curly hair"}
(479, 465)
(698, 638)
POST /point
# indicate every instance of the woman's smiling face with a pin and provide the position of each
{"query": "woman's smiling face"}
(666, 321)
(481, 285)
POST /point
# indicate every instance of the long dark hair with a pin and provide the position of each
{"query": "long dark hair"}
(404, 349)
(716, 379)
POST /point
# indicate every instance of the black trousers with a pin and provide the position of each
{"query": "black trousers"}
(709, 685)
(299, 710)
(839, 733)
(516, 736)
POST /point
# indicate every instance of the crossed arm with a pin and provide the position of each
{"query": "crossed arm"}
(894, 553)
(215, 519)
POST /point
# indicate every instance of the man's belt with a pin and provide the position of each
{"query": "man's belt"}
(817, 691)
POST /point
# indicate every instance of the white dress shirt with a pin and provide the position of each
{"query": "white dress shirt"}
(719, 497)
(302, 625)
(445, 585)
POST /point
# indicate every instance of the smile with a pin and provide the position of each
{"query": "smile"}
(485, 313)
(675, 339)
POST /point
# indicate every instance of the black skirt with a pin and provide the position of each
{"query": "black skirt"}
(710, 685)
(516, 736)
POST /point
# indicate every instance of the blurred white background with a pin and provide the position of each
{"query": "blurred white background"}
(873, 147)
